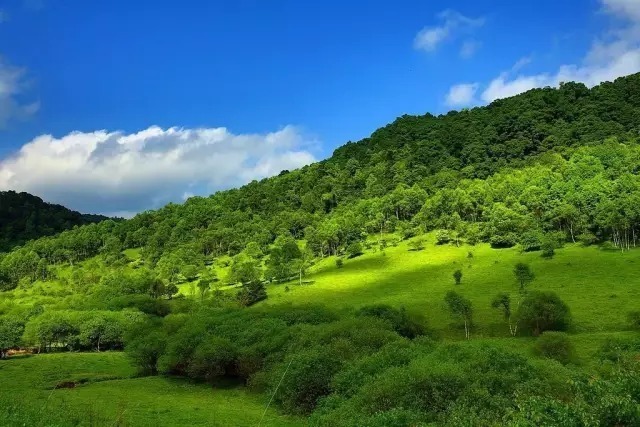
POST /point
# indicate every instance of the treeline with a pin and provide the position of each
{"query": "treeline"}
(593, 196)
(25, 217)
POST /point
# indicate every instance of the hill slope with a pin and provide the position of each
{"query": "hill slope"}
(350, 268)
(25, 217)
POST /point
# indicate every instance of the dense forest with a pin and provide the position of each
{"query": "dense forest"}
(25, 217)
(461, 173)
(526, 175)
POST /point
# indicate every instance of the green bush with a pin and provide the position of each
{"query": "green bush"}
(555, 345)
(251, 293)
(457, 276)
(531, 241)
(214, 358)
(339, 263)
(354, 250)
(399, 319)
(443, 237)
(543, 311)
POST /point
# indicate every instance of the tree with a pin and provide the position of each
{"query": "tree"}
(251, 293)
(457, 276)
(10, 334)
(157, 287)
(354, 249)
(101, 329)
(245, 270)
(502, 302)
(460, 308)
(543, 311)
(204, 285)
(303, 263)
(523, 275)
(145, 349)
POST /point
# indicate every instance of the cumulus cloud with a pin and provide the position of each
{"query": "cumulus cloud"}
(461, 94)
(613, 54)
(118, 173)
(451, 23)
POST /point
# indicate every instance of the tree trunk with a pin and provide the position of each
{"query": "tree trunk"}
(466, 329)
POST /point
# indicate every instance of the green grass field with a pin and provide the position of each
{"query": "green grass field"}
(600, 287)
(108, 394)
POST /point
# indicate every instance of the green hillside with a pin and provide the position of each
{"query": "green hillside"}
(477, 268)
(25, 217)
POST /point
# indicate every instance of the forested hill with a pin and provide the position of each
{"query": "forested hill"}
(25, 217)
(458, 173)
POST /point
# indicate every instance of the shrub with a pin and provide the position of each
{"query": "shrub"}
(399, 319)
(339, 263)
(615, 348)
(213, 358)
(443, 237)
(531, 241)
(548, 249)
(543, 311)
(145, 351)
(416, 244)
(251, 293)
(555, 345)
(587, 238)
(354, 249)
(457, 276)
(307, 379)
(506, 240)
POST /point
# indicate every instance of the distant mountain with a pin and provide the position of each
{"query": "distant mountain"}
(25, 217)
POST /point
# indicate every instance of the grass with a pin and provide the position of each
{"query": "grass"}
(600, 287)
(107, 393)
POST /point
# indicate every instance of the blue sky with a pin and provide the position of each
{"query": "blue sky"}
(148, 102)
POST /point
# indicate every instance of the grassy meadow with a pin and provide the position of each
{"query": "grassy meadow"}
(599, 286)
(107, 393)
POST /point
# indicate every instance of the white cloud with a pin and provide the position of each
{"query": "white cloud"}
(614, 54)
(12, 86)
(469, 48)
(451, 23)
(113, 172)
(623, 8)
(461, 94)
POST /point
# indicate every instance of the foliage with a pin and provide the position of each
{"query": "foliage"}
(524, 275)
(555, 345)
(25, 217)
(543, 311)
(251, 293)
(457, 276)
(460, 307)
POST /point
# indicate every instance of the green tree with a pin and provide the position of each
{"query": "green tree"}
(502, 302)
(10, 334)
(543, 311)
(460, 308)
(457, 276)
(524, 275)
